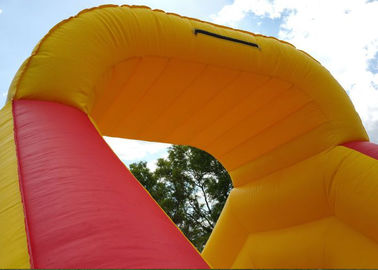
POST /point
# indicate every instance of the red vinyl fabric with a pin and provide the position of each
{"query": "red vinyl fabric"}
(84, 208)
(364, 147)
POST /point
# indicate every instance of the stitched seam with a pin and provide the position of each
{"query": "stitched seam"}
(52, 30)
(150, 196)
(265, 129)
(359, 150)
(290, 165)
(21, 186)
(207, 102)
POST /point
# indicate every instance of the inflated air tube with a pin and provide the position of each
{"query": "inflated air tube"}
(305, 176)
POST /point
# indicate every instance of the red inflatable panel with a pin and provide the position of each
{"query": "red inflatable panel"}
(84, 208)
(367, 148)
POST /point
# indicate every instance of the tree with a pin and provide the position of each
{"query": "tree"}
(191, 186)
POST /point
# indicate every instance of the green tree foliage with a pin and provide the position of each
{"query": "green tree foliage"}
(191, 186)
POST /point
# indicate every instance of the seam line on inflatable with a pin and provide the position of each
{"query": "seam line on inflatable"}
(20, 177)
(111, 68)
(356, 146)
(247, 139)
(52, 30)
(142, 97)
(267, 128)
(148, 193)
(235, 105)
(285, 167)
(210, 99)
(331, 182)
(182, 93)
(242, 225)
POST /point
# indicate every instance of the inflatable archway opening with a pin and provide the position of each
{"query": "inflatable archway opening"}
(304, 174)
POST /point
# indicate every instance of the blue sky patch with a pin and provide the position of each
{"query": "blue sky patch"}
(373, 64)
(262, 24)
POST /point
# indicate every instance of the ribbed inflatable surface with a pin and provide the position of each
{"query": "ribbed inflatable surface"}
(272, 115)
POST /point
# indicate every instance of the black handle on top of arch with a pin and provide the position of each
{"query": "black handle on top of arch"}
(204, 32)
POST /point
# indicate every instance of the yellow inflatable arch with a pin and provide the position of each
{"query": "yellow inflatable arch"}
(305, 178)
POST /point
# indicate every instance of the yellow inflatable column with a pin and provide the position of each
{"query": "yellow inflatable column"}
(13, 243)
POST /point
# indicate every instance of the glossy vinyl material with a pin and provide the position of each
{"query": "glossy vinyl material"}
(13, 237)
(272, 115)
(367, 148)
(84, 208)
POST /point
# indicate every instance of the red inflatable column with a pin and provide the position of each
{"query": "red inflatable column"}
(84, 209)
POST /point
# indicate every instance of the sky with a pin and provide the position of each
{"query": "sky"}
(341, 34)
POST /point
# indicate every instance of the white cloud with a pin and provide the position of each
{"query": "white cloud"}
(341, 34)
(132, 150)
(152, 164)
(1, 11)
(232, 14)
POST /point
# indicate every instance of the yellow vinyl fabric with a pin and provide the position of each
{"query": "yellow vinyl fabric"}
(13, 240)
(318, 213)
(272, 115)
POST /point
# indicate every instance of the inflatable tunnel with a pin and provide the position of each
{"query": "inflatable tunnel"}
(305, 175)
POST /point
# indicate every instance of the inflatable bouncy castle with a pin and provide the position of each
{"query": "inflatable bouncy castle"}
(305, 175)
